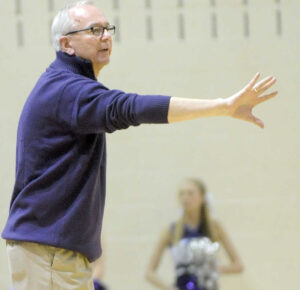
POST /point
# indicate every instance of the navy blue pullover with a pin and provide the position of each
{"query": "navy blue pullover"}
(59, 192)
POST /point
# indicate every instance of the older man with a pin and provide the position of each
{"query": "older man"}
(56, 211)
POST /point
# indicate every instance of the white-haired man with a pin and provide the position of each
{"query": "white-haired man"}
(57, 205)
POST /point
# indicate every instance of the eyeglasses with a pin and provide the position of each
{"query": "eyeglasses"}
(96, 30)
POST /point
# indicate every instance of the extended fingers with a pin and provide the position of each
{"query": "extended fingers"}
(267, 97)
(253, 81)
(265, 84)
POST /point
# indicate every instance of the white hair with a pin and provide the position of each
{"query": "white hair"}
(63, 23)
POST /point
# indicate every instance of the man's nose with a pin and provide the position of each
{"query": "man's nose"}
(106, 35)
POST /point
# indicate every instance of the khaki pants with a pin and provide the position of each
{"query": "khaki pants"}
(35, 266)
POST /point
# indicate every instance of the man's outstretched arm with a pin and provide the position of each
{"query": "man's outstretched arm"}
(238, 106)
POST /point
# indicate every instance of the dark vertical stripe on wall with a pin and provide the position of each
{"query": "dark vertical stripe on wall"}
(20, 34)
(148, 3)
(214, 25)
(245, 2)
(212, 2)
(18, 6)
(181, 26)
(149, 27)
(116, 4)
(50, 5)
(50, 24)
(278, 22)
(118, 29)
(246, 24)
(180, 3)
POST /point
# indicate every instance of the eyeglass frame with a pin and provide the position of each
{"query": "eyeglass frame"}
(107, 27)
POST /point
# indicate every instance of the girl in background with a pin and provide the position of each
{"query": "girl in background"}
(196, 222)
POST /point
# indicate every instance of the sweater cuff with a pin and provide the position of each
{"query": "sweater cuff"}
(152, 109)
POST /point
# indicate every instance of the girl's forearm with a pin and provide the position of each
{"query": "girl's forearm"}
(231, 269)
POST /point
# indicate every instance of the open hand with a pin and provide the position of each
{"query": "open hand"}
(241, 104)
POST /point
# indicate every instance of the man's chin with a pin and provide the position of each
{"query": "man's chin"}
(103, 61)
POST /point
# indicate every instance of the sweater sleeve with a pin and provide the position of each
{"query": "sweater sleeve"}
(89, 107)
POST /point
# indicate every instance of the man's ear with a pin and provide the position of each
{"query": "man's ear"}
(65, 45)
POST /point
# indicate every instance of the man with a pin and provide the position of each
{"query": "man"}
(56, 210)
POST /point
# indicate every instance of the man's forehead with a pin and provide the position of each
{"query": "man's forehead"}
(87, 15)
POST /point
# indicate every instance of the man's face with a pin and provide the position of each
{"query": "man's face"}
(97, 49)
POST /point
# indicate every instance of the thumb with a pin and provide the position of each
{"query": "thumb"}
(257, 121)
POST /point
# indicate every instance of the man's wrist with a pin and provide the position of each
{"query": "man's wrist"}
(224, 106)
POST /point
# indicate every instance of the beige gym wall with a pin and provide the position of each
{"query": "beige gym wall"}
(193, 49)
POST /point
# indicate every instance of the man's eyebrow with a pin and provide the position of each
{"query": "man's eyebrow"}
(99, 24)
